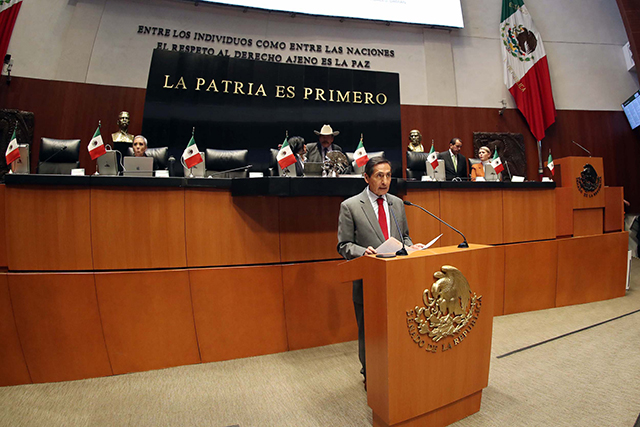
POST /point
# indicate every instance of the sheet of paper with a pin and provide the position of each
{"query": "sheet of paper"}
(409, 250)
(391, 246)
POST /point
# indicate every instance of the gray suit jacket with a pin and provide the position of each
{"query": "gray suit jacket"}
(358, 225)
(313, 151)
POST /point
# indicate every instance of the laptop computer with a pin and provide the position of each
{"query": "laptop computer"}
(437, 174)
(21, 166)
(108, 163)
(138, 166)
(198, 170)
(313, 168)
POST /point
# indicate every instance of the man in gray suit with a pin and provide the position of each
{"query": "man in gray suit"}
(366, 221)
(316, 151)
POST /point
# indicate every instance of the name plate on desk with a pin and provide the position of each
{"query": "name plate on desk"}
(77, 171)
(162, 173)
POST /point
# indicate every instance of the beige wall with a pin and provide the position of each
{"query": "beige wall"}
(96, 41)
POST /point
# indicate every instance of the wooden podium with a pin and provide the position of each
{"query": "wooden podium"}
(413, 380)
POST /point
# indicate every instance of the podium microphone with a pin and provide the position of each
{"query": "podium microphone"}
(403, 251)
(64, 147)
(464, 244)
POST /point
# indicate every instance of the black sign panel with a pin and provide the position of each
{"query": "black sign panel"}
(238, 103)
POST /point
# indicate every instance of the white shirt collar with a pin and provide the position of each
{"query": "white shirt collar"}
(373, 196)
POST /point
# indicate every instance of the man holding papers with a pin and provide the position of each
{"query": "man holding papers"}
(366, 221)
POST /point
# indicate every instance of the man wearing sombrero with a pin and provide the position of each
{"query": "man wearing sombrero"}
(316, 151)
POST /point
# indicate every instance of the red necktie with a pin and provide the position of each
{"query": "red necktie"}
(382, 218)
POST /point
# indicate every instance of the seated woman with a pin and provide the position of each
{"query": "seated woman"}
(139, 147)
(478, 169)
(299, 148)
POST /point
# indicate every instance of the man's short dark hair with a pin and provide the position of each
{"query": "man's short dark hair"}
(454, 140)
(373, 162)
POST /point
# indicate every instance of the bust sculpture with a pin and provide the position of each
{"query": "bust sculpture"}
(123, 124)
(415, 141)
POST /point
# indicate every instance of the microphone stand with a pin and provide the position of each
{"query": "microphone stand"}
(588, 152)
(230, 170)
(464, 244)
(64, 147)
(403, 251)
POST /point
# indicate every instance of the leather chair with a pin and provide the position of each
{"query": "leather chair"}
(416, 165)
(223, 160)
(58, 156)
(273, 163)
(355, 170)
(160, 156)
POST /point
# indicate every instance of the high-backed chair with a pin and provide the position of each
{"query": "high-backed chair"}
(160, 156)
(355, 170)
(273, 163)
(416, 165)
(58, 156)
(224, 160)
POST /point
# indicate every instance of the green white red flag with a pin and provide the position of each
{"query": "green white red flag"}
(550, 164)
(433, 157)
(285, 155)
(360, 155)
(496, 163)
(526, 71)
(13, 152)
(96, 145)
(191, 155)
(8, 14)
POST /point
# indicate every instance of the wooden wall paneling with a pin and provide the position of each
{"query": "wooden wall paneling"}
(422, 227)
(147, 319)
(50, 228)
(13, 367)
(530, 272)
(528, 215)
(239, 311)
(3, 230)
(226, 230)
(66, 110)
(591, 268)
(137, 227)
(318, 306)
(476, 213)
(69, 110)
(613, 209)
(308, 228)
(564, 212)
(59, 326)
(588, 222)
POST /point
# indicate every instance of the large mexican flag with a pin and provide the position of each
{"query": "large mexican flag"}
(8, 14)
(526, 72)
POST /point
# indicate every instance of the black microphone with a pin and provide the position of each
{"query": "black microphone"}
(171, 161)
(464, 244)
(64, 147)
(403, 251)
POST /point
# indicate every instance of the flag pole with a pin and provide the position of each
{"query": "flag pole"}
(540, 168)
(193, 135)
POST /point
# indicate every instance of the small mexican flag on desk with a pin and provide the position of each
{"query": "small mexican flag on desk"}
(96, 145)
(13, 153)
(285, 155)
(496, 163)
(360, 156)
(191, 154)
